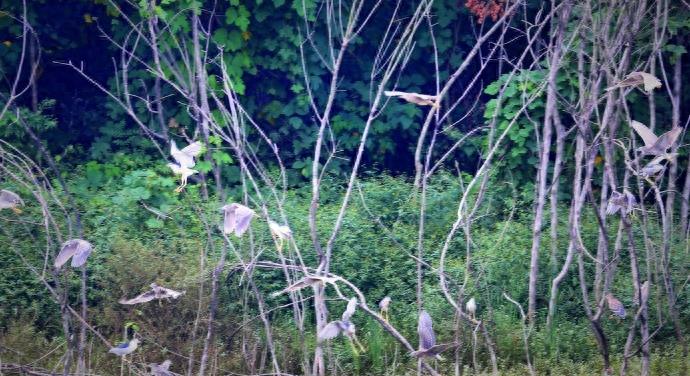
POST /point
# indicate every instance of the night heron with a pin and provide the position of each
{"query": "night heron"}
(383, 306)
(427, 339)
(236, 218)
(308, 281)
(655, 166)
(185, 161)
(471, 307)
(419, 99)
(649, 81)
(652, 144)
(125, 348)
(280, 233)
(621, 202)
(644, 294)
(77, 249)
(615, 306)
(10, 200)
(156, 292)
(343, 326)
(161, 369)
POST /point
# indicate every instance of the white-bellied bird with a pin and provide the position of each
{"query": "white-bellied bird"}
(384, 304)
(125, 348)
(185, 161)
(471, 307)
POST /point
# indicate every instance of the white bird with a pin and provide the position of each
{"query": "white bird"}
(185, 162)
(416, 98)
(77, 249)
(10, 200)
(236, 218)
(471, 307)
(383, 306)
(184, 172)
(161, 369)
(125, 348)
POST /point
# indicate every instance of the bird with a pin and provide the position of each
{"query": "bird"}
(654, 167)
(78, 249)
(236, 218)
(615, 306)
(471, 307)
(623, 202)
(125, 348)
(10, 200)
(156, 292)
(420, 99)
(280, 232)
(308, 281)
(649, 81)
(161, 369)
(383, 306)
(343, 326)
(427, 339)
(654, 145)
(185, 162)
(644, 294)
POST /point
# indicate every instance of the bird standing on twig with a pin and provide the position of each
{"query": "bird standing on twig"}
(125, 348)
(161, 369)
(343, 326)
(419, 99)
(10, 200)
(615, 306)
(384, 304)
(471, 307)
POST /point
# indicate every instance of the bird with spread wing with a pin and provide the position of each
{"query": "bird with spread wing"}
(185, 161)
(427, 339)
(416, 98)
(653, 144)
(236, 218)
(156, 292)
(343, 326)
(76, 249)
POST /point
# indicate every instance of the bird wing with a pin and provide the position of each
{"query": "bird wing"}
(229, 218)
(69, 248)
(84, 249)
(282, 232)
(331, 330)
(425, 329)
(177, 169)
(183, 157)
(645, 133)
(243, 219)
(350, 310)
(669, 138)
(193, 149)
(650, 81)
(389, 93)
(142, 298)
(169, 293)
(438, 349)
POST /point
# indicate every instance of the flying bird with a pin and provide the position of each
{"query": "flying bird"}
(649, 81)
(77, 249)
(343, 326)
(280, 233)
(471, 307)
(652, 144)
(383, 306)
(308, 281)
(156, 292)
(236, 218)
(10, 200)
(161, 369)
(427, 339)
(654, 167)
(185, 162)
(125, 348)
(420, 99)
(621, 202)
(615, 306)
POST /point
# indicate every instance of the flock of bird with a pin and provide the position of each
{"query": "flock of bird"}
(237, 220)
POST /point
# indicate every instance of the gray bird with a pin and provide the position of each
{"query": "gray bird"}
(308, 281)
(383, 306)
(649, 81)
(236, 218)
(10, 200)
(125, 348)
(161, 369)
(615, 305)
(621, 202)
(420, 99)
(156, 292)
(77, 249)
(427, 339)
(343, 326)
(654, 167)
(654, 145)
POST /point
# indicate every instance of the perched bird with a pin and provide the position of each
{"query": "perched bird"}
(236, 218)
(10, 200)
(427, 339)
(471, 307)
(185, 162)
(281, 232)
(654, 167)
(652, 144)
(615, 305)
(125, 348)
(420, 99)
(308, 281)
(624, 202)
(78, 249)
(156, 292)
(161, 369)
(343, 326)
(644, 294)
(383, 306)
(649, 81)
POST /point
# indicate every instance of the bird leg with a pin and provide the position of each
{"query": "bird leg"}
(183, 183)
(355, 340)
(17, 210)
(384, 314)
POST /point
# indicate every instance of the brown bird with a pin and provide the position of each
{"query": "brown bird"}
(615, 305)
(654, 167)
(308, 281)
(644, 294)
(420, 99)
(624, 202)
(652, 144)
(649, 81)
(10, 200)
(427, 339)
(77, 249)
(156, 292)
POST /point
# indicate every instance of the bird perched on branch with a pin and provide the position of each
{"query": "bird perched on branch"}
(185, 161)
(644, 294)
(624, 202)
(343, 326)
(471, 307)
(236, 218)
(308, 281)
(383, 306)
(77, 249)
(10, 200)
(654, 145)
(420, 99)
(161, 369)
(615, 305)
(156, 292)
(125, 348)
(649, 81)
(654, 167)
(427, 339)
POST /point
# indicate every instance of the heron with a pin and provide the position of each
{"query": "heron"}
(653, 144)
(125, 348)
(471, 307)
(161, 369)
(615, 306)
(307, 281)
(280, 232)
(156, 292)
(77, 249)
(416, 98)
(10, 200)
(644, 294)
(624, 202)
(654, 167)
(649, 81)
(383, 306)
(236, 218)
(343, 326)
(427, 339)
(185, 161)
